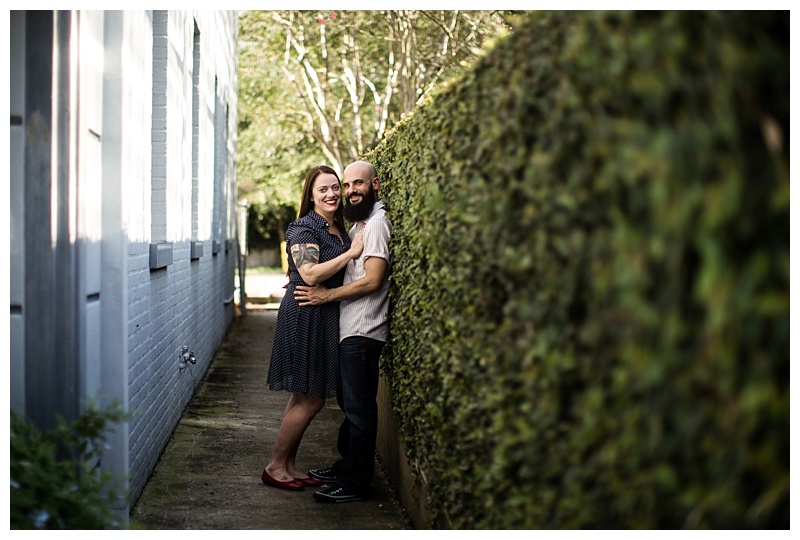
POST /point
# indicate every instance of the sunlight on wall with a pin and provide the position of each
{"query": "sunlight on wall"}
(137, 104)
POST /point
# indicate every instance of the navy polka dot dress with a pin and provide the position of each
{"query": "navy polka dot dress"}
(305, 351)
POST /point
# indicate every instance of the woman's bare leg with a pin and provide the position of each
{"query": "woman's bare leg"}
(299, 412)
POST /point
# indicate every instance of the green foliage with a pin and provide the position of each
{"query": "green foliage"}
(322, 87)
(273, 155)
(54, 481)
(591, 295)
(267, 226)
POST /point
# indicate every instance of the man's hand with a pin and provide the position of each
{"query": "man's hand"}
(311, 296)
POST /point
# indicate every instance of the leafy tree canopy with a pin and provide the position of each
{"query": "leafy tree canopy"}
(324, 87)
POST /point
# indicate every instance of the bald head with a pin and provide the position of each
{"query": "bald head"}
(362, 169)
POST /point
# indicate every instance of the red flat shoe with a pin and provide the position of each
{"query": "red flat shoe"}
(292, 485)
(310, 482)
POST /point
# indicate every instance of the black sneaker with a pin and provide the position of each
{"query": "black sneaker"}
(337, 494)
(323, 474)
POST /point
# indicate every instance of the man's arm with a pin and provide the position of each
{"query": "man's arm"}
(375, 268)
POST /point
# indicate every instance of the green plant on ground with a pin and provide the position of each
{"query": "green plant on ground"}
(56, 482)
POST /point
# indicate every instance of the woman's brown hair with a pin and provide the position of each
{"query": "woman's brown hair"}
(307, 201)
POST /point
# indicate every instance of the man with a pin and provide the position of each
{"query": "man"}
(363, 331)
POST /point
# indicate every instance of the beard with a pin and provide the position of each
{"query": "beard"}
(361, 210)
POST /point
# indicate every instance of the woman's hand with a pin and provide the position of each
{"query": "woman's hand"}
(357, 246)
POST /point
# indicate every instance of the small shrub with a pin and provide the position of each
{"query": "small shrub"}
(55, 483)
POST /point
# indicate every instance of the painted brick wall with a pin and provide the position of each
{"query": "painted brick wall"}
(190, 301)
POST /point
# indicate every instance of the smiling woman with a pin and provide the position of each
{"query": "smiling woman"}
(322, 198)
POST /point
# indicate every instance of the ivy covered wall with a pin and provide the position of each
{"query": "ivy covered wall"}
(591, 291)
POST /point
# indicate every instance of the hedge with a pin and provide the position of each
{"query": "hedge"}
(590, 300)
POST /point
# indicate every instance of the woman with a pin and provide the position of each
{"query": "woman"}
(305, 352)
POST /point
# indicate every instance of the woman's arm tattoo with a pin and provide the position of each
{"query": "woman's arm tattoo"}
(305, 253)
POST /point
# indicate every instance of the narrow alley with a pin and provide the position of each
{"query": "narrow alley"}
(209, 475)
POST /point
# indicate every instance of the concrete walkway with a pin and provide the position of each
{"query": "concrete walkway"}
(209, 474)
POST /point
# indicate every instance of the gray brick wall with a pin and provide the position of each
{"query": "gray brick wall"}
(181, 305)
(190, 301)
(149, 169)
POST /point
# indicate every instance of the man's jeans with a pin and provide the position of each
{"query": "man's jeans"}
(356, 393)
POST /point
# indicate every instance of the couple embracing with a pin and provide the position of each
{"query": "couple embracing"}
(332, 325)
